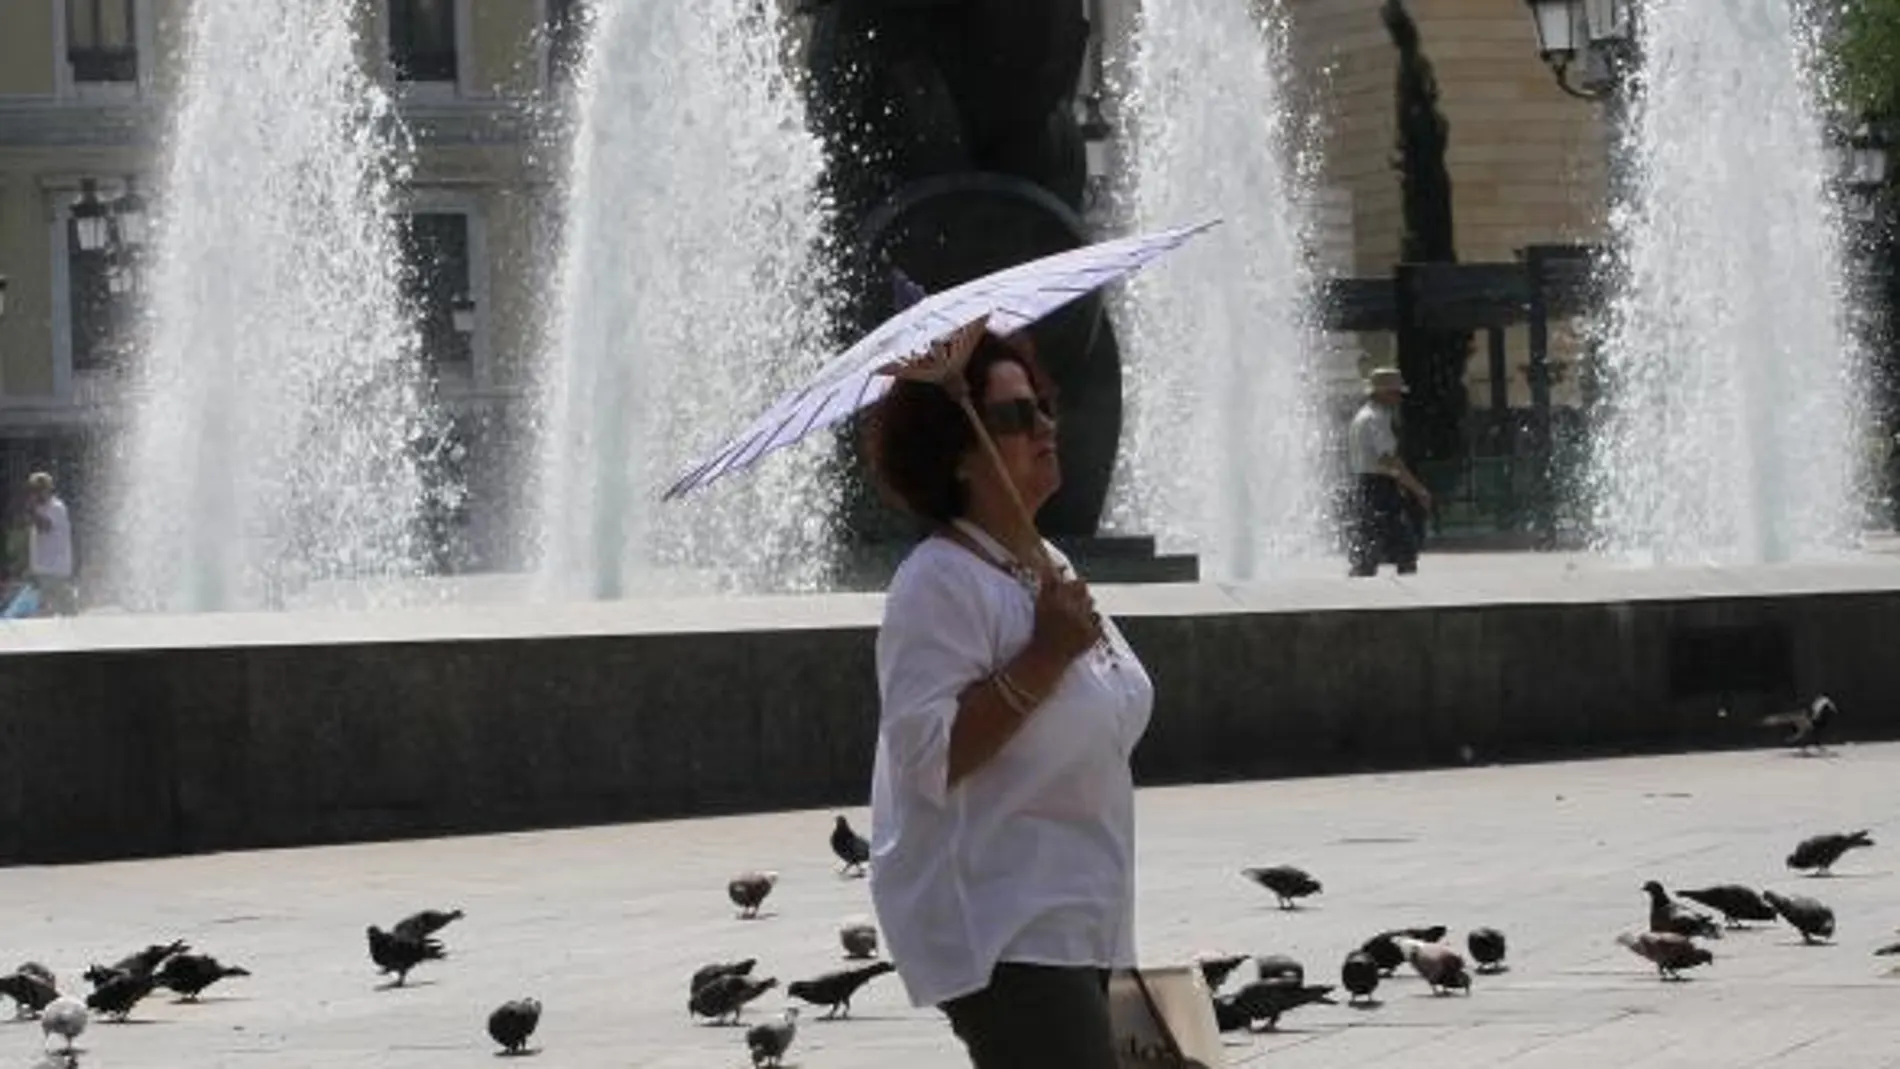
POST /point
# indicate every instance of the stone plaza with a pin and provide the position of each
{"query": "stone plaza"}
(605, 924)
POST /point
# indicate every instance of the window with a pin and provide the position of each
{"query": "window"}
(102, 41)
(438, 281)
(422, 40)
(567, 38)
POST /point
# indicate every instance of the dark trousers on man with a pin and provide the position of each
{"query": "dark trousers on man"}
(1381, 531)
(1037, 1017)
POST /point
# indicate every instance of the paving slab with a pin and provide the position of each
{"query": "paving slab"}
(605, 924)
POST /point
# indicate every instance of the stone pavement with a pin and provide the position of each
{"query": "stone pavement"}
(605, 925)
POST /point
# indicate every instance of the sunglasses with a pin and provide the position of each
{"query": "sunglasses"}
(1017, 416)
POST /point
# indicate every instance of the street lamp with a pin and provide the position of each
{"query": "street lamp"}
(129, 218)
(92, 220)
(462, 314)
(1595, 31)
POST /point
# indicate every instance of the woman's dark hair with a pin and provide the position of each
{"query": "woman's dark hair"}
(915, 437)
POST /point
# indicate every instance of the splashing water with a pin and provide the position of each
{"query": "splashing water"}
(278, 406)
(1732, 424)
(691, 293)
(1224, 451)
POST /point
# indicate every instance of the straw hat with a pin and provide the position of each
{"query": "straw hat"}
(1386, 378)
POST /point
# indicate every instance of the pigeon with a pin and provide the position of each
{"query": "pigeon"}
(1670, 952)
(398, 954)
(1384, 948)
(1813, 920)
(1263, 1000)
(708, 973)
(1733, 901)
(748, 890)
(1808, 727)
(1359, 975)
(724, 997)
(1441, 966)
(116, 997)
(833, 990)
(1216, 968)
(1888, 950)
(513, 1022)
(852, 849)
(1822, 851)
(1487, 949)
(30, 992)
(1286, 882)
(859, 939)
(190, 974)
(145, 962)
(426, 923)
(64, 1017)
(1279, 969)
(1666, 915)
(769, 1042)
(34, 968)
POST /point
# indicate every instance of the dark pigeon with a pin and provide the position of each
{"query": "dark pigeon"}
(708, 973)
(35, 969)
(1487, 949)
(1671, 953)
(1733, 901)
(1279, 969)
(1888, 950)
(723, 998)
(30, 993)
(1813, 920)
(834, 990)
(1807, 728)
(1216, 968)
(399, 954)
(852, 849)
(1819, 853)
(1264, 1001)
(513, 1022)
(145, 962)
(116, 997)
(1667, 915)
(768, 1042)
(190, 974)
(1285, 881)
(426, 923)
(1359, 975)
(748, 890)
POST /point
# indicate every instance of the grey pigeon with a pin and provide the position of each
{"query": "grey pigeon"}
(399, 954)
(1441, 966)
(1279, 969)
(834, 990)
(769, 1042)
(513, 1022)
(1669, 952)
(1285, 881)
(748, 890)
(859, 939)
(1487, 949)
(1808, 728)
(426, 923)
(723, 998)
(1733, 901)
(852, 849)
(1820, 852)
(1265, 1001)
(1384, 948)
(1216, 968)
(1808, 916)
(29, 992)
(706, 974)
(64, 1017)
(1667, 915)
(190, 974)
(1359, 975)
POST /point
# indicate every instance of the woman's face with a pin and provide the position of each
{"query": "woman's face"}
(1024, 429)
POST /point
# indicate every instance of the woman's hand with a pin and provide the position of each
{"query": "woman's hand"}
(1066, 621)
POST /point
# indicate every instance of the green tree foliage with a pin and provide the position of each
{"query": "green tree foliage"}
(1867, 57)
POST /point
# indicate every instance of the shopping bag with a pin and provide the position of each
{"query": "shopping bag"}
(1164, 1019)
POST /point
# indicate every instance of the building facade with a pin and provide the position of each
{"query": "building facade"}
(84, 87)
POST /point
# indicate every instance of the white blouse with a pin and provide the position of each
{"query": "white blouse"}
(1031, 857)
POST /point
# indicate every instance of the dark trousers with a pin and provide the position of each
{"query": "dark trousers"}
(1037, 1017)
(1381, 532)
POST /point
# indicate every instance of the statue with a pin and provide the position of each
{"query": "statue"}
(954, 151)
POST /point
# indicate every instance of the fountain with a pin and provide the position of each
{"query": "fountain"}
(278, 405)
(1733, 418)
(690, 293)
(1225, 451)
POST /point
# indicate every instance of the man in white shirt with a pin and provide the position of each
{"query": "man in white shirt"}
(1379, 529)
(49, 552)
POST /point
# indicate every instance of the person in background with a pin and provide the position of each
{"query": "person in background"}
(49, 549)
(1380, 529)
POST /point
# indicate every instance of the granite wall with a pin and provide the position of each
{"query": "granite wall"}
(125, 752)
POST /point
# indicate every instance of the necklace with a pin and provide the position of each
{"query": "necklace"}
(1026, 576)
